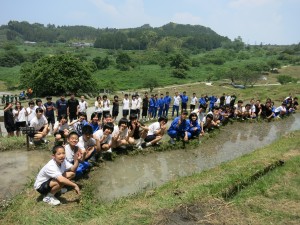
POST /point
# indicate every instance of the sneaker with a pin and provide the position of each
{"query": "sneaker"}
(172, 142)
(30, 142)
(63, 190)
(51, 200)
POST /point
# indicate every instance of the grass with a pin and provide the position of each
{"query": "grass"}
(267, 200)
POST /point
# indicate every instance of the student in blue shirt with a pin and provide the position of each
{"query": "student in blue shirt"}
(212, 100)
(155, 106)
(167, 101)
(194, 128)
(184, 101)
(179, 128)
(151, 106)
(161, 104)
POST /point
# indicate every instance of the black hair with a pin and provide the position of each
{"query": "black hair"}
(163, 118)
(48, 98)
(37, 101)
(82, 114)
(123, 121)
(55, 148)
(62, 116)
(216, 107)
(104, 96)
(210, 116)
(39, 110)
(108, 115)
(193, 114)
(94, 114)
(31, 103)
(87, 129)
(184, 112)
(116, 96)
(73, 133)
(109, 126)
(240, 101)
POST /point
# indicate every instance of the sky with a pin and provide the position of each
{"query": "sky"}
(255, 21)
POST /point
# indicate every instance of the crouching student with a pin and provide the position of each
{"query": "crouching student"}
(281, 110)
(194, 126)
(179, 128)
(55, 175)
(137, 131)
(207, 123)
(103, 137)
(40, 124)
(71, 150)
(87, 143)
(156, 132)
(120, 137)
(61, 128)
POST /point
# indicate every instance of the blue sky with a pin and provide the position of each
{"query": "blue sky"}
(256, 21)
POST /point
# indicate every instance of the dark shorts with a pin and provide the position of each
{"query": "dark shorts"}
(45, 187)
(20, 124)
(133, 111)
(51, 119)
(99, 114)
(10, 128)
(183, 105)
(144, 112)
(32, 135)
(125, 112)
(150, 138)
(138, 111)
(72, 116)
(115, 113)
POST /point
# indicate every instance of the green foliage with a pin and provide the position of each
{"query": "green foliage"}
(273, 63)
(284, 79)
(150, 83)
(54, 75)
(179, 73)
(179, 61)
(11, 58)
(101, 63)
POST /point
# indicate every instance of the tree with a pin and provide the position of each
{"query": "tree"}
(101, 63)
(179, 61)
(123, 61)
(150, 83)
(55, 75)
(284, 79)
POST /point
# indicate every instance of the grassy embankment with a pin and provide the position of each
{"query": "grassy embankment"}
(271, 199)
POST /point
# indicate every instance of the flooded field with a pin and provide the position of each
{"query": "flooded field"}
(131, 174)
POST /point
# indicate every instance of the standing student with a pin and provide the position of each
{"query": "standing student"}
(151, 107)
(99, 107)
(194, 100)
(155, 106)
(115, 108)
(161, 104)
(184, 101)
(39, 104)
(145, 105)
(125, 104)
(61, 106)
(82, 105)
(30, 111)
(167, 101)
(55, 175)
(222, 100)
(20, 115)
(72, 108)
(49, 111)
(138, 107)
(176, 103)
(133, 105)
(9, 122)
(106, 106)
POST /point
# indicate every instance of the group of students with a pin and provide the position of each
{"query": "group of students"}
(80, 142)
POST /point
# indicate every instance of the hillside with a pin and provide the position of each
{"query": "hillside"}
(166, 37)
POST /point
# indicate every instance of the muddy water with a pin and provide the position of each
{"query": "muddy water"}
(16, 167)
(128, 175)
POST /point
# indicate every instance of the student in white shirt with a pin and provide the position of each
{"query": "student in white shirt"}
(194, 100)
(176, 104)
(106, 106)
(103, 137)
(83, 105)
(30, 111)
(155, 132)
(20, 115)
(40, 124)
(56, 174)
(125, 104)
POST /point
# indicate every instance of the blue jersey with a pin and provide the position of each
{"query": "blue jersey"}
(167, 100)
(161, 102)
(184, 98)
(184, 126)
(202, 101)
(152, 102)
(61, 106)
(212, 101)
(193, 125)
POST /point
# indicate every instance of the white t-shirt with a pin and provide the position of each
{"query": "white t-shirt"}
(125, 104)
(134, 103)
(194, 100)
(51, 171)
(176, 100)
(279, 109)
(227, 99)
(38, 123)
(21, 116)
(106, 105)
(69, 153)
(31, 113)
(98, 108)
(82, 106)
(153, 127)
(61, 127)
(123, 134)
(82, 144)
(99, 134)
(139, 102)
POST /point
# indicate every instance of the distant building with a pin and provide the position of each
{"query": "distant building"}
(30, 42)
(82, 44)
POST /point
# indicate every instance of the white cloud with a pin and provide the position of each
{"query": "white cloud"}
(107, 8)
(186, 18)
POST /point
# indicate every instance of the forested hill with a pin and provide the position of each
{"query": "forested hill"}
(164, 38)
